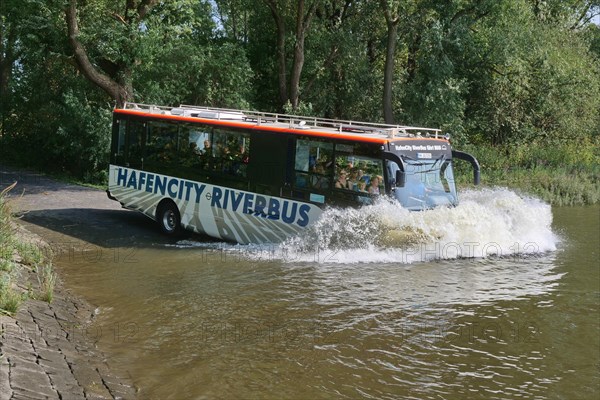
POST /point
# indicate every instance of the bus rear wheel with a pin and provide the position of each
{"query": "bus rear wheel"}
(168, 218)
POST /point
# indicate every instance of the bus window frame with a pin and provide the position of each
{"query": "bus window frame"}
(374, 154)
(308, 173)
(335, 195)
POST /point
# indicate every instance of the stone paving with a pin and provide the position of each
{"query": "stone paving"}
(45, 355)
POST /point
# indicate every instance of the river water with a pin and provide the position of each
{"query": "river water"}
(497, 298)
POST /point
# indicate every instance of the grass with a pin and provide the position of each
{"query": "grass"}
(563, 174)
(46, 280)
(12, 248)
(10, 298)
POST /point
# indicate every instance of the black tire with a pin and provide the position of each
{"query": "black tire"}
(168, 218)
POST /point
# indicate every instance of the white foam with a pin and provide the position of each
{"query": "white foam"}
(487, 222)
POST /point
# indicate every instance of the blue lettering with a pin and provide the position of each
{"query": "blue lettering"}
(289, 219)
(188, 186)
(273, 209)
(216, 198)
(180, 192)
(149, 183)
(132, 180)
(248, 203)
(303, 221)
(122, 177)
(172, 192)
(236, 201)
(142, 180)
(259, 206)
(161, 185)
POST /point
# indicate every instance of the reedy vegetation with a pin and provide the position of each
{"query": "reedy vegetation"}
(16, 255)
(514, 81)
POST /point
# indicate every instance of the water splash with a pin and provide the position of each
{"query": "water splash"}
(487, 222)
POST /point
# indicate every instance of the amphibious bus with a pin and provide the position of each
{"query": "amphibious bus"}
(254, 177)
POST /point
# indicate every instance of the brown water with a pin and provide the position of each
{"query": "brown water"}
(220, 321)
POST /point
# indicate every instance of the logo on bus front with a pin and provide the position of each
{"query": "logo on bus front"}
(421, 147)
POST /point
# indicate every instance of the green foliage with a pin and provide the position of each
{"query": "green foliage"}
(46, 282)
(566, 173)
(27, 253)
(10, 297)
(434, 96)
(536, 80)
(519, 74)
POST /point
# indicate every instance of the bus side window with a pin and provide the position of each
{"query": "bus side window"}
(195, 148)
(230, 153)
(121, 145)
(313, 165)
(161, 146)
(136, 135)
(357, 172)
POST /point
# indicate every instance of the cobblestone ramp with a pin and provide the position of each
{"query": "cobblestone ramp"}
(43, 357)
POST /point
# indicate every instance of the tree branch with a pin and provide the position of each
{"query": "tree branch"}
(119, 18)
(145, 7)
(584, 18)
(103, 81)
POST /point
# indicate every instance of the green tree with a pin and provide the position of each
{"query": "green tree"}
(302, 16)
(112, 68)
(534, 79)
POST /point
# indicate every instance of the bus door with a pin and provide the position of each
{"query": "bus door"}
(268, 168)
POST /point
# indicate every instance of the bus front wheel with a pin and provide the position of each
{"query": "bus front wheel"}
(168, 218)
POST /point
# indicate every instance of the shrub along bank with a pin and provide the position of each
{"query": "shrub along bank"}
(562, 174)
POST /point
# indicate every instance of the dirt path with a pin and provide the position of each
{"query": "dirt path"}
(84, 214)
(46, 351)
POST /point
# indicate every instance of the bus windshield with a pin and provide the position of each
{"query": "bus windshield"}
(427, 183)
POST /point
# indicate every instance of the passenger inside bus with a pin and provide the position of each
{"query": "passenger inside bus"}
(353, 179)
(342, 182)
(207, 149)
(319, 180)
(374, 186)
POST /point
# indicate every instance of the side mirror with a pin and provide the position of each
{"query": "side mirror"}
(467, 157)
(400, 178)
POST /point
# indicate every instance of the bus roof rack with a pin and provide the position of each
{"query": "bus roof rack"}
(291, 121)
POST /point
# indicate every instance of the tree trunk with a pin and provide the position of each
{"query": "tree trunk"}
(388, 77)
(121, 92)
(7, 59)
(298, 63)
(302, 25)
(282, 69)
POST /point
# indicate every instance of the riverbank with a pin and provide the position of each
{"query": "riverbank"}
(566, 174)
(46, 350)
